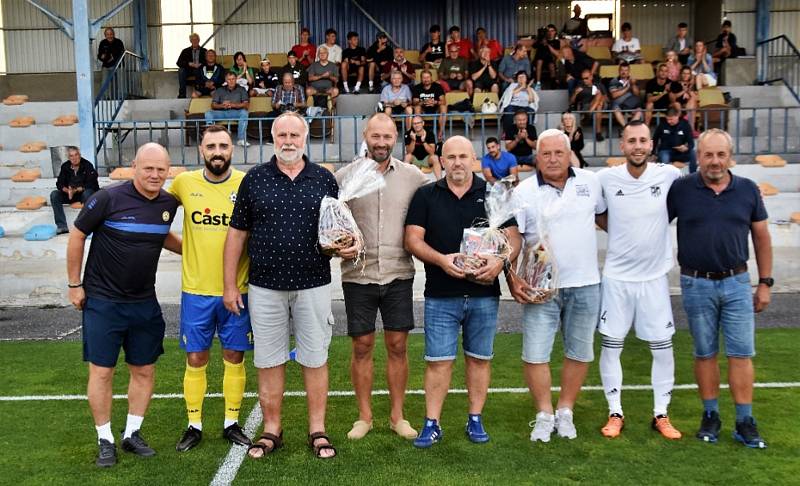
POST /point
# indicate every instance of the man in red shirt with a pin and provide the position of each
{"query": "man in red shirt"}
(483, 40)
(306, 51)
(464, 45)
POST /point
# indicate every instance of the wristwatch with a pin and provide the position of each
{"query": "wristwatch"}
(768, 281)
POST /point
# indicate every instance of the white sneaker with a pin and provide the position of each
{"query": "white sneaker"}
(243, 143)
(564, 425)
(543, 426)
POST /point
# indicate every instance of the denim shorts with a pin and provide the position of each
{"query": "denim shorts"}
(575, 310)
(445, 315)
(714, 305)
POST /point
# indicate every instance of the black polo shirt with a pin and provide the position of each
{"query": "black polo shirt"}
(522, 149)
(85, 176)
(128, 231)
(282, 217)
(713, 229)
(444, 217)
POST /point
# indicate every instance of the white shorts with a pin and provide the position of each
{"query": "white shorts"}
(645, 305)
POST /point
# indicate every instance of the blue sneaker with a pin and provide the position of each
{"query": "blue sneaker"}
(431, 434)
(475, 430)
(747, 433)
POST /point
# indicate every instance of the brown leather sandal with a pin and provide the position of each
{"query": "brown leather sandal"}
(318, 448)
(277, 443)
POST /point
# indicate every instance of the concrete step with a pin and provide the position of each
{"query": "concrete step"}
(12, 138)
(786, 179)
(16, 222)
(42, 112)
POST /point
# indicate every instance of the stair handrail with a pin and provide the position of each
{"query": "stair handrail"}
(779, 61)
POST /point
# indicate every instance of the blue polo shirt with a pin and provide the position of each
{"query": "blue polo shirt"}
(128, 231)
(500, 167)
(282, 217)
(713, 228)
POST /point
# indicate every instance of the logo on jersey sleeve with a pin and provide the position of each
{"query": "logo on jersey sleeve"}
(582, 190)
(165, 216)
(232, 197)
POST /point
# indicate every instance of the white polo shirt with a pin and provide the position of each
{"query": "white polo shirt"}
(567, 217)
(639, 243)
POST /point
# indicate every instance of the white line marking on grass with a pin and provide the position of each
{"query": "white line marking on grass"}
(350, 393)
(233, 461)
(57, 337)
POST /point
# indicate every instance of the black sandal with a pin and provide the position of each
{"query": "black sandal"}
(277, 443)
(312, 438)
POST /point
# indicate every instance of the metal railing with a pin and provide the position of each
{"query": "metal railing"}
(779, 61)
(338, 138)
(122, 82)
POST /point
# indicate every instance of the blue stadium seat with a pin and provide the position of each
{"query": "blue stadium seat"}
(40, 232)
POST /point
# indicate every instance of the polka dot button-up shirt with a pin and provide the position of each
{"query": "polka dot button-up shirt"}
(282, 216)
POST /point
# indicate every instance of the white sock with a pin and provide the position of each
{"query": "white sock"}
(611, 372)
(662, 375)
(133, 424)
(346, 87)
(104, 432)
(196, 425)
(370, 85)
(358, 85)
(229, 422)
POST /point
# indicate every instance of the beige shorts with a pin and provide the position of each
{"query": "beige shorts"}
(309, 311)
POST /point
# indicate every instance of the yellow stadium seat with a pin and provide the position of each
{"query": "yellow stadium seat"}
(711, 96)
(199, 106)
(227, 61)
(277, 59)
(507, 51)
(452, 98)
(253, 60)
(477, 103)
(652, 53)
(412, 56)
(260, 104)
(609, 71)
(641, 72)
(598, 53)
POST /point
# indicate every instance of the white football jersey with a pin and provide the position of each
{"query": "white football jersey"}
(639, 242)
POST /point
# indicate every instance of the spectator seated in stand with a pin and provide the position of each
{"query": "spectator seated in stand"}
(482, 40)
(657, 93)
(483, 73)
(266, 80)
(623, 92)
(519, 96)
(497, 164)
(396, 97)
(464, 45)
(673, 65)
(548, 49)
(245, 75)
(421, 147)
(231, 103)
(323, 75)
(400, 64)
(725, 46)
(189, 61)
(297, 70)
(428, 98)
(521, 139)
(702, 65)
(673, 140)
(454, 72)
(512, 63)
(288, 96)
(334, 51)
(681, 43)
(305, 51)
(433, 52)
(627, 48)
(573, 63)
(209, 77)
(569, 125)
(354, 62)
(379, 54)
(683, 94)
(77, 180)
(590, 96)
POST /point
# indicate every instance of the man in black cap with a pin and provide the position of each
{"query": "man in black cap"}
(298, 71)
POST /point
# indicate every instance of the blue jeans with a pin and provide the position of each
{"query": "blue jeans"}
(240, 115)
(576, 311)
(443, 317)
(714, 305)
(59, 198)
(666, 156)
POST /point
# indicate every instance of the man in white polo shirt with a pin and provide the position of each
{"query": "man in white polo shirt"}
(635, 290)
(571, 199)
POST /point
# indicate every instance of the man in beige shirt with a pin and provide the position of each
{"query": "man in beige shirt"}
(385, 281)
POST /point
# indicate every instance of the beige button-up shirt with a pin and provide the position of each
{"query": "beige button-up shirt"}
(381, 217)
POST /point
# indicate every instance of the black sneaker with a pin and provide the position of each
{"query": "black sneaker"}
(598, 137)
(747, 433)
(190, 438)
(106, 454)
(235, 434)
(710, 425)
(357, 91)
(62, 230)
(136, 444)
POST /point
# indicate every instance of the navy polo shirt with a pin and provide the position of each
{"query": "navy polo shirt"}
(713, 228)
(444, 217)
(128, 231)
(282, 217)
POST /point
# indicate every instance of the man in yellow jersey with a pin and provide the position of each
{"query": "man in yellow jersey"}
(207, 196)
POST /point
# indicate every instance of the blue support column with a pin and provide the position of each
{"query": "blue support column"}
(140, 32)
(762, 34)
(84, 72)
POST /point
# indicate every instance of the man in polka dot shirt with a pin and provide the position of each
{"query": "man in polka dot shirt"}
(276, 215)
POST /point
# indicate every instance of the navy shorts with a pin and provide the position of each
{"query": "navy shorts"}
(136, 327)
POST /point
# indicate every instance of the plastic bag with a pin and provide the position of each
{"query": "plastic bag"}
(486, 238)
(337, 228)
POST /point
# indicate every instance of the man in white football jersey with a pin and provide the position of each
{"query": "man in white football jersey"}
(634, 287)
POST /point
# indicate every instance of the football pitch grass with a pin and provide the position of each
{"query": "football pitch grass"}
(53, 441)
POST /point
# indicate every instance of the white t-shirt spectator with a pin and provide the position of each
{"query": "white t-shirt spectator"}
(334, 53)
(568, 222)
(621, 45)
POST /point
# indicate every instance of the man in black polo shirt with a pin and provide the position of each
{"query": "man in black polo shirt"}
(353, 63)
(521, 139)
(130, 224)
(277, 214)
(77, 181)
(436, 219)
(716, 210)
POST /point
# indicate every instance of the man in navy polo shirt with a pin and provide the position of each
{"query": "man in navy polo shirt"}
(130, 224)
(437, 216)
(716, 210)
(276, 214)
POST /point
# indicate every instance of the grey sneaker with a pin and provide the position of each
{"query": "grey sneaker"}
(564, 425)
(543, 426)
(136, 444)
(106, 454)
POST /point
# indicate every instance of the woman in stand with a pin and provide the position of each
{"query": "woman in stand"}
(518, 96)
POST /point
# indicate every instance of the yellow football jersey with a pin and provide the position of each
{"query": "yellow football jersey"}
(207, 210)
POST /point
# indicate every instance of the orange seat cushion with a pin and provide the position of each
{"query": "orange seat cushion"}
(770, 160)
(767, 189)
(31, 203)
(15, 100)
(26, 175)
(121, 174)
(22, 122)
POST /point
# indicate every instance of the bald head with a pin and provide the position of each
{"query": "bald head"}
(150, 169)
(457, 158)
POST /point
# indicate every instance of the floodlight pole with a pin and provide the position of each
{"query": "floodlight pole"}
(762, 34)
(84, 76)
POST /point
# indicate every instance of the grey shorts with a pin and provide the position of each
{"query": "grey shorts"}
(309, 311)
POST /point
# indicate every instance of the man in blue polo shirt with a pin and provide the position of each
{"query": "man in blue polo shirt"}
(129, 223)
(716, 210)
(497, 164)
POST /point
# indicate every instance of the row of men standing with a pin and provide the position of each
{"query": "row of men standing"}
(289, 282)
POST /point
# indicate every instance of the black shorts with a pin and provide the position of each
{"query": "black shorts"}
(136, 327)
(395, 301)
(484, 86)
(662, 103)
(454, 84)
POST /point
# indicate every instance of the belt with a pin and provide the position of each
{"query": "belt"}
(714, 275)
